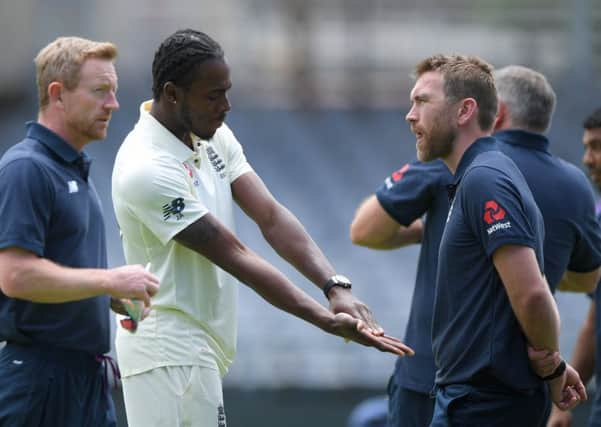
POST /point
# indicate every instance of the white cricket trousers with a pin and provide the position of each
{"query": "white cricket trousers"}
(174, 396)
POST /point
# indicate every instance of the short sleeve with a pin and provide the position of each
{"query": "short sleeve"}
(495, 210)
(26, 197)
(407, 193)
(236, 160)
(160, 196)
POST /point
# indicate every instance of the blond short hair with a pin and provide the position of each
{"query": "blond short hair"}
(61, 61)
(465, 77)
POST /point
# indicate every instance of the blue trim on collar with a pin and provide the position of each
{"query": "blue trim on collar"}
(481, 145)
(524, 138)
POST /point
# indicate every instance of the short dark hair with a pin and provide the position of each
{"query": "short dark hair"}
(465, 77)
(177, 57)
(593, 121)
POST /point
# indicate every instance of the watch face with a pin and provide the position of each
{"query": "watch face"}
(342, 280)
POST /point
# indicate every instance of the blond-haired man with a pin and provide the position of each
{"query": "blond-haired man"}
(55, 288)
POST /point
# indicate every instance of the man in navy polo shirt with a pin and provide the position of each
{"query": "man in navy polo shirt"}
(391, 219)
(586, 357)
(572, 248)
(526, 104)
(491, 298)
(55, 288)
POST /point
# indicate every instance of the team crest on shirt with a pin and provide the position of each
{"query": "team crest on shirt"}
(221, 416)
(493, 214)
(216, 161)
(174, 208)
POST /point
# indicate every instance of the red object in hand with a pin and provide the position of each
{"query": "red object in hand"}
(130, 324)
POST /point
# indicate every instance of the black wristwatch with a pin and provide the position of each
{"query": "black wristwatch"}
(336, 280)
(558, 372)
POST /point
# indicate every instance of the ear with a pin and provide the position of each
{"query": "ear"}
(171, 93)
(501, 118)
(468, 108)
(55, 93)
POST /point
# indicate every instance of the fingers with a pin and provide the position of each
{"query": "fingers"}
(383, 343)
(369, 319)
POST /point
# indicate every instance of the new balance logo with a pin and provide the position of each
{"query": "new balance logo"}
(174, 208)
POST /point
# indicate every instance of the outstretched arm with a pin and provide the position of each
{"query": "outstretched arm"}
(290, 240)
(208, 237)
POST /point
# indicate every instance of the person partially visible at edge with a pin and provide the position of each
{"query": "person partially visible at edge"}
(491, 297)
(55, 288)
(175, 180)
(586, 356)
(389, 219)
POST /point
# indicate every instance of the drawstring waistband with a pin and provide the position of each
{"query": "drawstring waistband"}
(108, 361)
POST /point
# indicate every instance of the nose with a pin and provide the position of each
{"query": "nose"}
(411, 115)
(587, 158)
(111, 101)
(226, 104)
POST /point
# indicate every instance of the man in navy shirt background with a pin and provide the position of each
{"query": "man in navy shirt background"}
(586, 357)
(390, 219)
(491, 298)
(572, 248)
(55, 288)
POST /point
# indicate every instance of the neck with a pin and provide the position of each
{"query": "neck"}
(60, 128)
(165, 116)
(460, 145)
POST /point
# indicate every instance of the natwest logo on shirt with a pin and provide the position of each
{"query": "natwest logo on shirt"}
(493, 213)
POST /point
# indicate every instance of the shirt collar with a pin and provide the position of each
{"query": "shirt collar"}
(481, 145)
(523, 138)
(59, 147)
(164, 139)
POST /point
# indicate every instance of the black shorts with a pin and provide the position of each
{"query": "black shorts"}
(49, 387)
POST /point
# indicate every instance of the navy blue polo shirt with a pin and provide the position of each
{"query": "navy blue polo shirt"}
(566, 200)
(475, 334)
(51, 208)
(409, 193)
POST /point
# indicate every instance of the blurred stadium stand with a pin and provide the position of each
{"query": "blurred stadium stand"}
(319, 98)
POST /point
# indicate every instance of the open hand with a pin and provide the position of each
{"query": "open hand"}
(354, 329)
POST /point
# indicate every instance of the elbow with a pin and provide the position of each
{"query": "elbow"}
(9, 284)
(358, 235)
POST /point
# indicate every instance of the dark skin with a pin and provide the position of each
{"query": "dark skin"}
(201, 108)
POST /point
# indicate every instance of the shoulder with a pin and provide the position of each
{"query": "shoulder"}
(25, 157)
(490, 165)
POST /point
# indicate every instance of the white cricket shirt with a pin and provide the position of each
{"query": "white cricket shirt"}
(159, 187)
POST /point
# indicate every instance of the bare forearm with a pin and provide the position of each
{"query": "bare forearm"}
(42, 281)
(276, 289)
(539, 320)
(583, 358)
(529, 295)
(291, 241)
